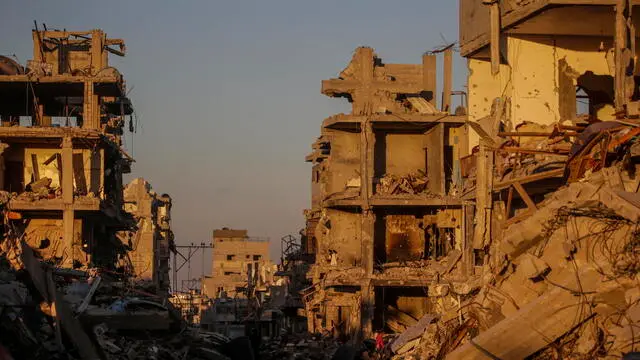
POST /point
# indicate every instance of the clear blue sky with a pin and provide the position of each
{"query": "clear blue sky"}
(228, 92)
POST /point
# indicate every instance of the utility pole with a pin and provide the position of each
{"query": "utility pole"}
(192, 249)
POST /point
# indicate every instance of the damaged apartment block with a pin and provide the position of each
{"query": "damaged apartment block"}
(386, 220)
(82, 259)
(62, 164)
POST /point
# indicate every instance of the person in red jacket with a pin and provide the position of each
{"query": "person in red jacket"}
(379, 342)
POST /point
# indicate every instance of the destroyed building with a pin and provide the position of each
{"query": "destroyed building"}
(68, 286)
(151, 244)
(553, 88)
(386, 214)
(239, 288)
(238, 262)
(290, 279)
(62, 164)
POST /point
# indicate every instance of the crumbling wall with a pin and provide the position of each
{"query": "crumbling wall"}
(405, 239)
(46, 237)
(338, 236)
(402, 153)
(539, 76)
(151, 242)
(343, 163)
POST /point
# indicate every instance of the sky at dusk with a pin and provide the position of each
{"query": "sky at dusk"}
(227, 93)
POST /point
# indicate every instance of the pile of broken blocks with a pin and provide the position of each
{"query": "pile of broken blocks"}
(55, 313)
(410, 184)
(303, 346)
(562, 281)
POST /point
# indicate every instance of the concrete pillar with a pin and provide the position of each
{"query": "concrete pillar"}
(367, 308)
(311, 320)
(67, 199)
(367, 223)
(90, 109)
(429, 75)
(368, 217)
(484, 204)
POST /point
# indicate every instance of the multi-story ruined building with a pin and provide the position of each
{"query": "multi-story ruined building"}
(151, 244)
(239, 262)
(62, 164)
(386, 218)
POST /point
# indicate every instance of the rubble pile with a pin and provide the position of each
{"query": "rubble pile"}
(571, 267)
(299, 346)
(55, 313)
(560, 282)
(410, 184)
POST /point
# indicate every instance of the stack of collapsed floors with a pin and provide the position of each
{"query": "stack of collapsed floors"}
(523, 243)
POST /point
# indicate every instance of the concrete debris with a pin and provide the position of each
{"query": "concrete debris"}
(411, 184)
(39, 337)
(411, 334)
(301, 346)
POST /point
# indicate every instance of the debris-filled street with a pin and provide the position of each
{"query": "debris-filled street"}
(500, 220)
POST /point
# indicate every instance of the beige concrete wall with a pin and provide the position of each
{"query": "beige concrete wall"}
(457, 138)
(143, 254)
(404, 153)
(344, 161)
(539, 72)
(316, 188)
(242, 252)
(483, 88)
(92, 167)
(45, 236)
(343, 237)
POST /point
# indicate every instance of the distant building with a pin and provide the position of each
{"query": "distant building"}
(238, 261)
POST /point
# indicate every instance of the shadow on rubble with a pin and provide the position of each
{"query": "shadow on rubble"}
(331, 344)
(54, 313)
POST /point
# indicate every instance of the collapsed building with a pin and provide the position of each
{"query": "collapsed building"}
(386, 214)
(83, 261)
(534, 252)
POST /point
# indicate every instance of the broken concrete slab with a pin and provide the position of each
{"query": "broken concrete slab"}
(412, 332)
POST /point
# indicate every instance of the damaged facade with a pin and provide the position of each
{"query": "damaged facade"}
(386, 216)
(151, 244)
(512, 233)
(239, 262)
(239, 287)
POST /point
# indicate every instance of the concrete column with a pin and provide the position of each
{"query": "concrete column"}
(311, 320)
(484, 185)
(367, 224)
(368, 217)
(367, 307)
(90, 110)
(429, 76)
(67, 199)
